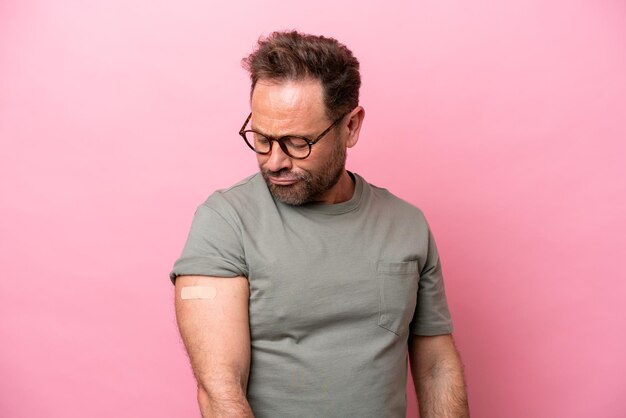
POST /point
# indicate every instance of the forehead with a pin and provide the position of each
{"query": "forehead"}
(280, 107)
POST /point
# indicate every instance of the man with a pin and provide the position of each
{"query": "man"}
(302, 288)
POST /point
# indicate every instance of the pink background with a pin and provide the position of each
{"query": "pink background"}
(505, 121)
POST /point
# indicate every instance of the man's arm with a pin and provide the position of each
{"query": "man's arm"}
(438, 377)
(216, 333)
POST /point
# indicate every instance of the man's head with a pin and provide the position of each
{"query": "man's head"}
(304, 85)
(292, 56)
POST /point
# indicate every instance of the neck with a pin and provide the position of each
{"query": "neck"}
(340, 192)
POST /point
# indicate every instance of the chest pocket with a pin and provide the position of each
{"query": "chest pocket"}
(397, 283)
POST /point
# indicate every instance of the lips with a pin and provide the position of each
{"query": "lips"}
(283, 181)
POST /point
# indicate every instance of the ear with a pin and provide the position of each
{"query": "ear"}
(355, 122)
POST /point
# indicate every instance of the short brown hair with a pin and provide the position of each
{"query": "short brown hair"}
(292, 55)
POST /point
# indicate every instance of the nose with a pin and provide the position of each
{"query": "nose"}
(277, 159)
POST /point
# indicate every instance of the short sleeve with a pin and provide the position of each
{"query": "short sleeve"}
(432, 316)
(213, 247)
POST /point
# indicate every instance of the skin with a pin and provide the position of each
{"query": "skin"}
(438, 377)
(297, 108)
(220, 356)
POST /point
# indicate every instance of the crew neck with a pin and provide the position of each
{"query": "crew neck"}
(338, 208)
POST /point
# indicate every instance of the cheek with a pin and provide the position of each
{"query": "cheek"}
(318, 159)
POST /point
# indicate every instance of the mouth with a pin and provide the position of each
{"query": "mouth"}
(283, 181)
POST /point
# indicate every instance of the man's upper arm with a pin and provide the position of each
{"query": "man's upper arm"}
(432, 315)
(213, 322)
(214, 245)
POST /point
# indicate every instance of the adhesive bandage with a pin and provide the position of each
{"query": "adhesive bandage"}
(197, 292)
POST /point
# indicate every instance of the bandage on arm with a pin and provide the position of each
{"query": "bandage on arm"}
(198, 292)
(212, 316)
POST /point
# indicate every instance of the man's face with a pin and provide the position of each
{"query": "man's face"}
(297, 108)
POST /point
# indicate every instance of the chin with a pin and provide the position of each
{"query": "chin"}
(290, 195)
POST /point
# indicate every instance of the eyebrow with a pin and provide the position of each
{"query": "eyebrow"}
(307, 137)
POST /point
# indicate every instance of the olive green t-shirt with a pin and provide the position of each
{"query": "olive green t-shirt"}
(335, 291)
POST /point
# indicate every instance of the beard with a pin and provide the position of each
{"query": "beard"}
(311, 184)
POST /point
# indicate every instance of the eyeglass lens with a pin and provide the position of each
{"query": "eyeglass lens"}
(291, 145)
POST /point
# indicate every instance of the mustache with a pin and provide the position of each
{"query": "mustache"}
(285, 174)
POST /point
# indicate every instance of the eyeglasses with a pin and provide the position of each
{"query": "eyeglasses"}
(295, 146)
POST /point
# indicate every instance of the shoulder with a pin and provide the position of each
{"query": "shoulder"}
(392, 204)
(244, 196)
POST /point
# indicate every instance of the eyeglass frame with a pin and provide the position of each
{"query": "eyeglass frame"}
(280, 140)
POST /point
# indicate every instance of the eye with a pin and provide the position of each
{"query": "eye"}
(260, 139)
(295, 143)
